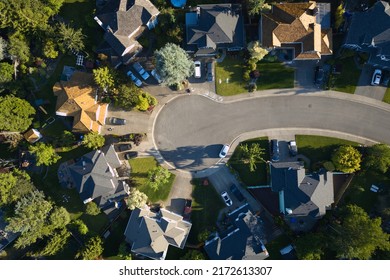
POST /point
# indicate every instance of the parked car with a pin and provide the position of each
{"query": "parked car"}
(234, 189)
(116, 121)
(224, 151)
(274, 150)
(198, 69)
(226, 198)
(131, 155)
(136, 81)
(156, 76)
(292, 145)
(210, 72)
(144, 74)
(376, 77)
(318, 75)
(187, 209)
(124, 147)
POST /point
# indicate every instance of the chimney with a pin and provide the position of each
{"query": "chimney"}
(122, 5)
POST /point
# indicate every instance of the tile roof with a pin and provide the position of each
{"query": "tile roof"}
(32, 135)
(76, 98)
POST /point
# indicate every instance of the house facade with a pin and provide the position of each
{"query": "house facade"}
(78, 99)
(123, 22)
(369, 32)
(302, 29)
(213, 27)
(151, 233)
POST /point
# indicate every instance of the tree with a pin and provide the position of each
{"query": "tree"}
(6, 72)
(104, 78)
(158, 176)
(55, 244)
(193, 255)
(254, 7)
(92, 249)
(310, 246)
(378, 157)
(358, 236)
(92, 209)
(66, 139)
(44, 154)
(127, 96)
(203, 235)
(251, 155)
(70, 38)
(80, 226)
(59, 218)
(173, 64)
(256, 51)
(145, 100)
(136, 199)
(13, 186)
(124, 252)
(93, 140)
(3, 48)
(49, 49)
(346, 159)
(339, 15)
(18, 50)
(15, 113)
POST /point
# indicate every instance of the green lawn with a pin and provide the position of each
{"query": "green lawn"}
(259, 176)
(206, 204)
(319, 148)
(347, 80)
(386, 98)
(139, 174)
(274, 75)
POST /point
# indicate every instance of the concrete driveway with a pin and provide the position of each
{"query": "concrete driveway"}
(190, 131)
(364, 86)
(304, 73)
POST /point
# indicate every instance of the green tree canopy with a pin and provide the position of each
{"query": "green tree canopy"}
(158, 176)
(104, 77)
(347, 159)
(50, 49)
(310, 246)
(3, 48)
(136, 199)
(254, 7)
(358, 236)
(69, 38)
(55, 243)
(378, 157)
(18, 47)
(92, 209)
(92, 249)
(251, 154)
(256, 51)
(13, 186)
(80, 226)
(127, 96)
(124, 251)
(93, 140)
(193, 255)
(6, 72)
(44, 153)
(173, 64)
(15, 113)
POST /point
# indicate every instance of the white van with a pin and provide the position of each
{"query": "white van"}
(198, 67)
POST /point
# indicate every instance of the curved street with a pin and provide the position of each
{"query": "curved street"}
(189, 131)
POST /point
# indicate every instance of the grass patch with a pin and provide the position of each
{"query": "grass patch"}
(259, 177)
(386, 98)
(206, 204)
(139, 175)
(230, 71)
(319, 148)
(347, 80)
(275, 245)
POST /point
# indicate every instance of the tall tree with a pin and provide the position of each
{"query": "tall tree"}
(378, 157)
(92, 249)
(254, 7)
(358, 236)
(251, 154)
(311, 246)
(92, 209)
(45, 154)
(13, 186)
(15, 114)
(3, 48)
(347, 159)
(55, 244)
(18, 50)
(136, 199)
(69, 38)
(158, 176)
(6, 72)
(93, 140)
(127, 97)
(104, 77)
(173, 64)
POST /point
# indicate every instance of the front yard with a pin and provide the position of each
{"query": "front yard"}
(139, 176)
(386, 98)
(229, 76)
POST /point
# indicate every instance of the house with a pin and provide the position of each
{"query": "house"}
(241, 241)
(77, 98)
(95, 177)
(123, 22)
(302, 29)
(213, 27)
(303, 199)
(369, 32)
(32, 135)
(150, 233)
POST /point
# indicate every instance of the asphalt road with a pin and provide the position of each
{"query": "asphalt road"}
(190, 130)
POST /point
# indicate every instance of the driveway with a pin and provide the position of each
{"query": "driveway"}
(304, 73)
(364, 86)
(190, 130)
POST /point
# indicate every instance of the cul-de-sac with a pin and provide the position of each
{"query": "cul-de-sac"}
(194, 130)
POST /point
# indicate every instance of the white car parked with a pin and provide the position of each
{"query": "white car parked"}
(376, 77)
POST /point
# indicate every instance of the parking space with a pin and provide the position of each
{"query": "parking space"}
(304, 73)
(364, 86)
(204, 84)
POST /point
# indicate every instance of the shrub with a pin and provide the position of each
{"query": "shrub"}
(328, 165)
(138, 139)
(92, 209)
(247, 75)
(252, 87)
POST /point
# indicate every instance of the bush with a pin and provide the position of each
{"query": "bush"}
(92, 209)
(252, 87)
(328, 165)
(138, 139)
(247, 75)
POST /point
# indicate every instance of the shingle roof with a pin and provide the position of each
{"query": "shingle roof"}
(151, 233)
